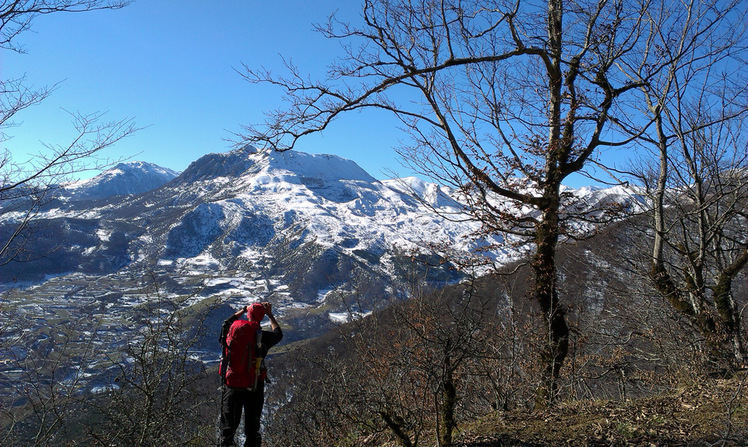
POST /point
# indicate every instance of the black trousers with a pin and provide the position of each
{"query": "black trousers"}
(233, 401)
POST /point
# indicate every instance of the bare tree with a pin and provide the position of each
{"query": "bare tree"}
(398, 373)
(161, 394)
(16, 16)
(26, 185)
(42, 403)
(503, 99)
(696, 105)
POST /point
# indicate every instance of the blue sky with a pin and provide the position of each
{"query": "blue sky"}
(171, 65)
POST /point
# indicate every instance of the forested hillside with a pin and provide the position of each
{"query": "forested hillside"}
(463, 359)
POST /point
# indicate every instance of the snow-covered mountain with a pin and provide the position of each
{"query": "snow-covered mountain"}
(315, 234)
(322, 199)
(123, 179)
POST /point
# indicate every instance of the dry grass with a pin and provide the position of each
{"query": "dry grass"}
(709, 413)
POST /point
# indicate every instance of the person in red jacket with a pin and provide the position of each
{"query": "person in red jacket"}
(243, 371)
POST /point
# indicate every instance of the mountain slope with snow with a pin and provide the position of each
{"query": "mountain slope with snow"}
(315, 234)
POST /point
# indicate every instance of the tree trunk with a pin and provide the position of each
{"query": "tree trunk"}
(729, 317)
(546, 235)
(449, 401)
(546, 294)
(397, 429)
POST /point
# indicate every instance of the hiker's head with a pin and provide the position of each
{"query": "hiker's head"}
(256, 312)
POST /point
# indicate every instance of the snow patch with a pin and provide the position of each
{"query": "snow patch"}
(345, 317)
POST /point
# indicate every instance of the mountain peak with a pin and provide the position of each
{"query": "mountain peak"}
(319, 166)
(286, 165)
(220, 164)
(132, 177)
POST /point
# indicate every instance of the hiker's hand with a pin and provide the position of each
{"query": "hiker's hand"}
(268, 308)
(239, 313)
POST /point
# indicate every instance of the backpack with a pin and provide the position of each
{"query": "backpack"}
(241, 363)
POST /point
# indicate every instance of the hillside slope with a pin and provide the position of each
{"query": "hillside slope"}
(707, 413)
(636, 373)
